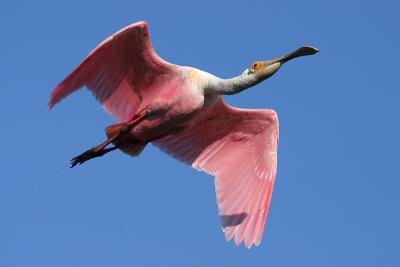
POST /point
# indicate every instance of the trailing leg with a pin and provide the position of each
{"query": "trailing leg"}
(90, 154)
(117, 134)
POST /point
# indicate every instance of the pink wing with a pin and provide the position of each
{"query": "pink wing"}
(119, 72)
(238, 147)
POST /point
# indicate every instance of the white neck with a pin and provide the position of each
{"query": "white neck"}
(234, 85)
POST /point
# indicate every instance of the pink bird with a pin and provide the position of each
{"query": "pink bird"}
(180, 110)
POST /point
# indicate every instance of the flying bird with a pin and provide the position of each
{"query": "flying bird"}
(181, 110)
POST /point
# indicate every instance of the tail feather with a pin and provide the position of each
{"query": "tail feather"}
(132, 148)
(126, 144)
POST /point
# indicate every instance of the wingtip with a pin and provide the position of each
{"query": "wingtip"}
(51, 104)
(138, 23)
(53, 101)
(229, 235)
(142, 22)
(248, 246)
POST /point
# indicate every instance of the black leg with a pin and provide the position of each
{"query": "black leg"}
(90, 154)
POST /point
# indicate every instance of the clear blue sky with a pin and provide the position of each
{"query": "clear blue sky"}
(336, 200)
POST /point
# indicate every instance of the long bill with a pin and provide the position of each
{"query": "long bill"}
(272, 66)
(302, 51)
(264, 70)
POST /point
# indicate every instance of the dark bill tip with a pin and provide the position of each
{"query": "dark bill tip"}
(302, 51)
(307, 50)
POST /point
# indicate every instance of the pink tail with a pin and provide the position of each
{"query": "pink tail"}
(125, 142)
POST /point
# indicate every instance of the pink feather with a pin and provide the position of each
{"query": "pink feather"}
(167, 104)
(119, 72)
(239, 147)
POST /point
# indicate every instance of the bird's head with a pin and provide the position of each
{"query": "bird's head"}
(262, 70)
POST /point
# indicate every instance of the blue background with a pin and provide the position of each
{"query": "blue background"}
(336, 200)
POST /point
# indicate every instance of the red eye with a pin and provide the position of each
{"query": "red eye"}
(256, 65)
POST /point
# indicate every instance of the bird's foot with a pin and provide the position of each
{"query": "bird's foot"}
(87, 155)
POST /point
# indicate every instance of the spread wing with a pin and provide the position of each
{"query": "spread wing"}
(238, 147)
(120, 72)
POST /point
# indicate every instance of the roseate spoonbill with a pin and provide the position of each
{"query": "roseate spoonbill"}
(181, 111)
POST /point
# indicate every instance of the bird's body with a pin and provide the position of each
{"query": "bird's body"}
(176, 107)
(181, 110)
